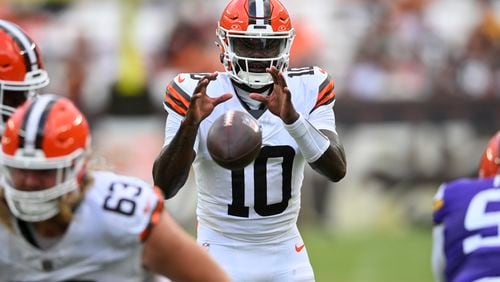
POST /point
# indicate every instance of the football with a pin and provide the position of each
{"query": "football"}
(234, 140)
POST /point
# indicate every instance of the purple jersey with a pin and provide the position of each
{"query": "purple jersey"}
(469, 210)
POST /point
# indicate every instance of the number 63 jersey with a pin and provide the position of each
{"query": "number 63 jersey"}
(104, 241)
(467, 230)
(260, 202)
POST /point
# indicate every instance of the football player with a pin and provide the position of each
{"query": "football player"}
(466, 238)
(21, 69)
(247, 217)
(62, 222)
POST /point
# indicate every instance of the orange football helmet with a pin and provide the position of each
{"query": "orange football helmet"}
(21, 68)
(255, 35)
(47, 133)
(490, 160)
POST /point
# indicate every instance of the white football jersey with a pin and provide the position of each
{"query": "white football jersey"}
(260, 202)
(104, 241)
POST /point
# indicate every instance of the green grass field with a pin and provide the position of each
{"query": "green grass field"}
(370, 256)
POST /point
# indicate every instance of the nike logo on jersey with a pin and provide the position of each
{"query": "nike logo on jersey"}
(180, 79)
(299, 248)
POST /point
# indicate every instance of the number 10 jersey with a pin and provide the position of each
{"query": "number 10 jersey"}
(260, 202)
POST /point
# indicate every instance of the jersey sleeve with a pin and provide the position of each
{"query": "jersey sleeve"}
(154, 216)
(177, 97)
(323, 118)
(172, 124)
(325, 91)
(176, 102)
(438, 205)
(322, 115)
(131, 208)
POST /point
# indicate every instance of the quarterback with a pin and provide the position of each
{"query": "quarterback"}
(247, 217)
(466, 238)
(62, 222)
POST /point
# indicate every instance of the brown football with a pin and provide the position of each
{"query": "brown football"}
(234, 140)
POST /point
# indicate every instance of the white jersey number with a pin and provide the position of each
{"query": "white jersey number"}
(477, 217)
(262, 208)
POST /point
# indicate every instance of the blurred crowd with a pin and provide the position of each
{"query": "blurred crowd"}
(417, 49)
(378, 50)
(114, 58)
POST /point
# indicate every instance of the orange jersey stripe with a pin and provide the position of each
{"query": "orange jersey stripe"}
(177, 95)
(155, 215)
(177, 99)
(326, 98)
(171, 104)
(326, 93)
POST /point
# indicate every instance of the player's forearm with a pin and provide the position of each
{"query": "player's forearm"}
(332, 162)
(171, 167)
(189, 262)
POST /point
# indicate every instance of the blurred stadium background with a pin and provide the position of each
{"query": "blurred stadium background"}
(418, 95)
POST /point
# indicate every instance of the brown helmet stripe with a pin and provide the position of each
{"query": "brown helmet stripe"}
(34, 121)
(259, 12)
(41, 124)
(22, 130)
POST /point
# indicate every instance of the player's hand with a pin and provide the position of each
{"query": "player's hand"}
(201, 104)
(279, 102)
